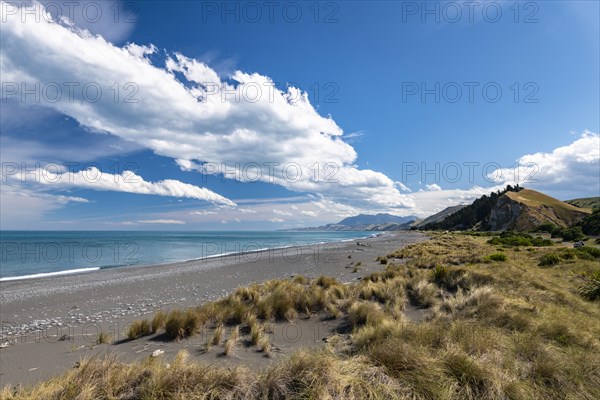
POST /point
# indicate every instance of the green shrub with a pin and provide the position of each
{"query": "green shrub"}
(594, 252)
(509, 238)
(572, 234)
(591, 224)
(496, 257)
(547, 227)
(549, 259)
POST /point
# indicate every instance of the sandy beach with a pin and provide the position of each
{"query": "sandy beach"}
(48, 324)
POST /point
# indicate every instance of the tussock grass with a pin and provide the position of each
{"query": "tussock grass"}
(103, 338)
(138, 328)
(590, 290)
(365, 312)
(158, 321)
(231, 341)
(422, 292)
(515, 331)
(180, 324)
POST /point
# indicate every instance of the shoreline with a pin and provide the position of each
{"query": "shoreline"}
(35, 313)
(77, 271)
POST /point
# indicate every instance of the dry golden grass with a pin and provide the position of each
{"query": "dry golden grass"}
(496, 330)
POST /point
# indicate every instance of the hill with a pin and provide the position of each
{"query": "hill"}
(514, 208)
(586, 202)
(439, 216)
(538, 208)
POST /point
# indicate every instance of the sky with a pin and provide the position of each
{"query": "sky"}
(211, 115)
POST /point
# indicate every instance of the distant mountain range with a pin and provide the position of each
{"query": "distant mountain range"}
(366, 222)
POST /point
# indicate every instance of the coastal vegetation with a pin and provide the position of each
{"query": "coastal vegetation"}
(502, 326)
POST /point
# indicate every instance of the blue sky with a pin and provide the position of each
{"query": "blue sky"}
(507, 93)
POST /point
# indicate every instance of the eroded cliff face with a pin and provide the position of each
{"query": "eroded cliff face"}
(505, 214)
(515, 215)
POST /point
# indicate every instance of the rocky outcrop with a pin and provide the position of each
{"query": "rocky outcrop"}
(505, 214)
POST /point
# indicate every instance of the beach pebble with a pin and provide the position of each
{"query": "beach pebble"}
(157, 353)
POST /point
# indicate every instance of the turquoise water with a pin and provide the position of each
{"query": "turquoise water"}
(27, 254)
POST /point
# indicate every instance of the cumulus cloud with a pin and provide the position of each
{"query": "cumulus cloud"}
(237, 122)
(127, 181)
(573, 169)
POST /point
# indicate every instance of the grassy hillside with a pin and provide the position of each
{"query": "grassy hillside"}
(513, 208)
(506, 320)
(587, 202)
(543, 208)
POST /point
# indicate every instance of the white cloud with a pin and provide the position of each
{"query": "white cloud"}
(204, 212)
(162, 221)
(278, 220)
(570, 170)
(240, 121)
(434, 187)
(402, 187)
(127, 181)
(310, 213)
(282, 213)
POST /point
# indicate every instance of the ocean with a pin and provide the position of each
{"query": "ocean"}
(31, 254)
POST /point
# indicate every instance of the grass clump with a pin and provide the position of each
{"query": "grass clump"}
(496, 257)
(158, 321)
(264, 344)
(439, 274)
(326, 282)
(231, 342)
(422, 293)
(103, 338)
(180, 324)
(365, 312)
(590, 290)
(138, 328)
(548, 260)
(217, 335)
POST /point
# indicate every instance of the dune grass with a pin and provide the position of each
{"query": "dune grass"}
(501, 330)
